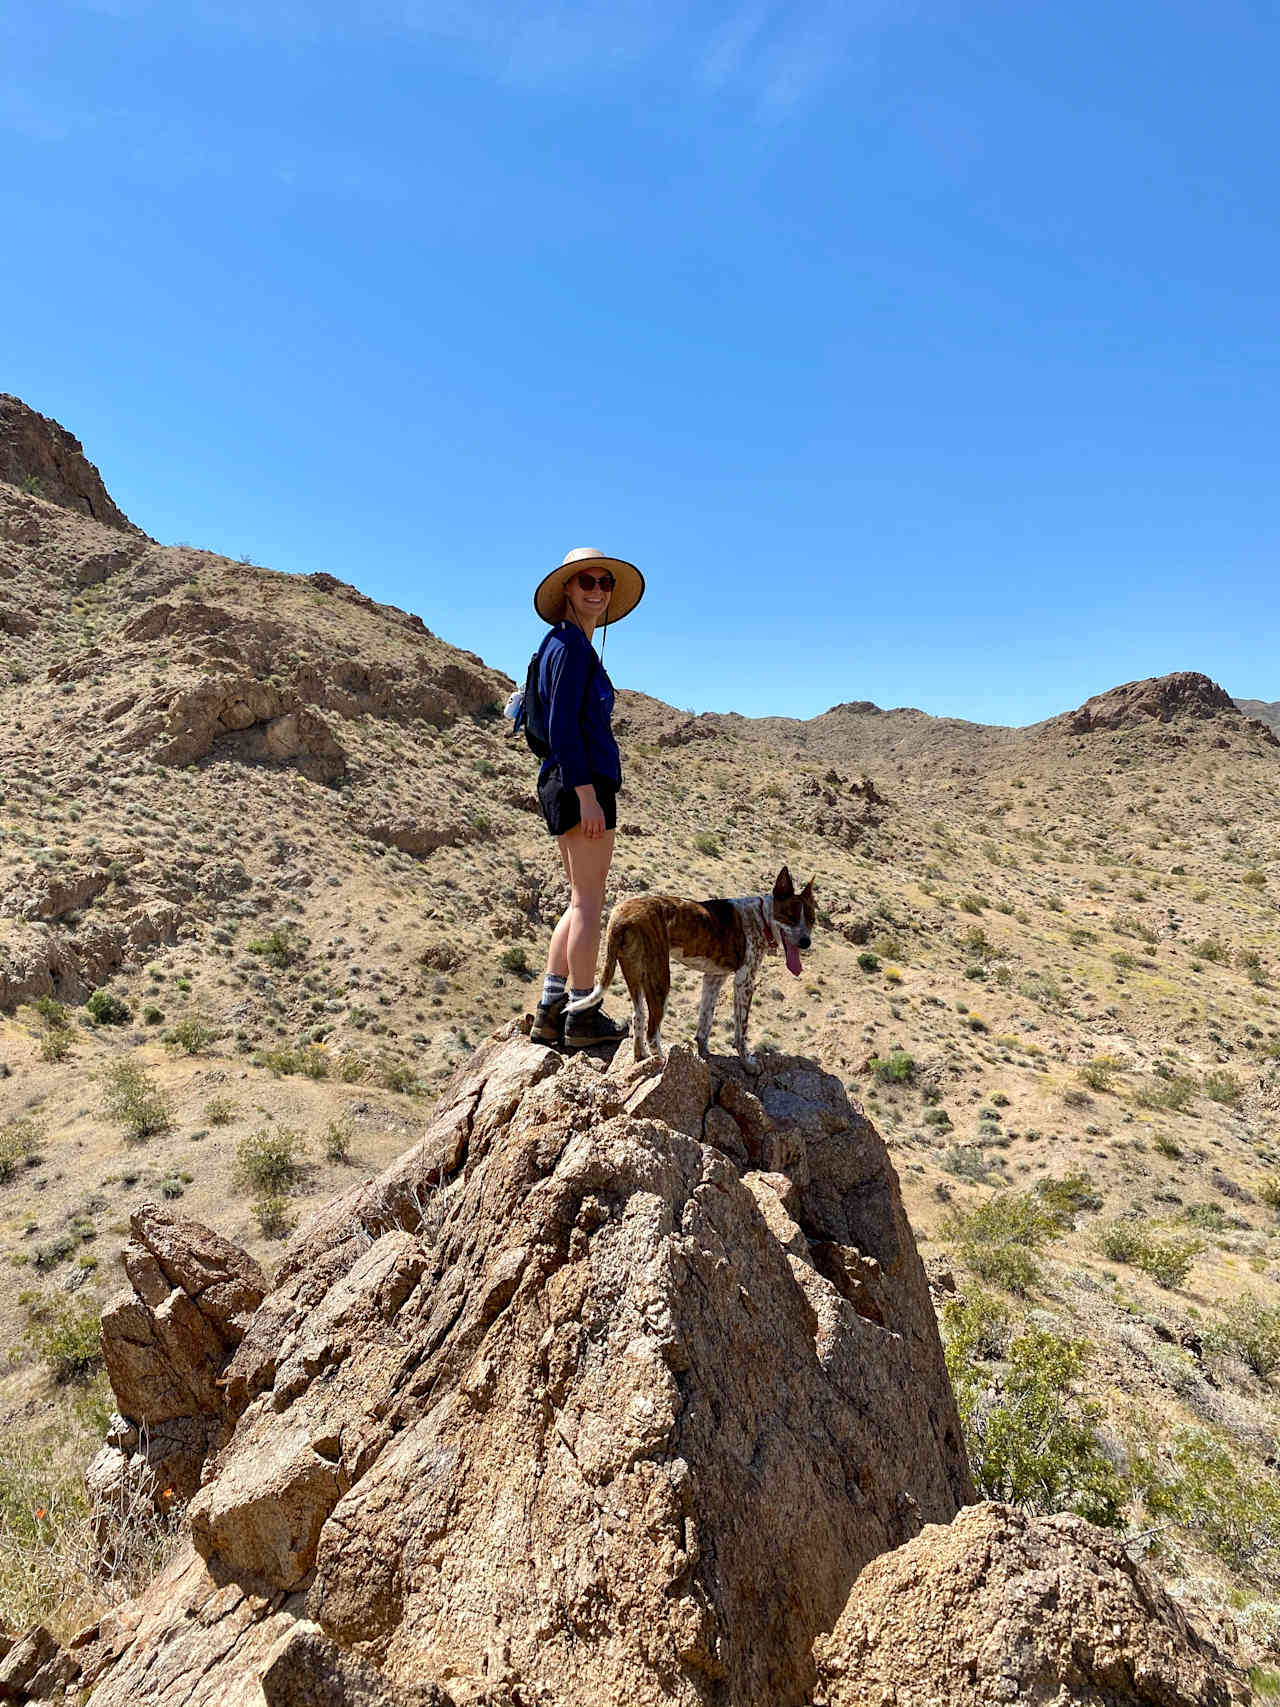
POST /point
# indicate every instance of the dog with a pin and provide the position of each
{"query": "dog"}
(720, 939)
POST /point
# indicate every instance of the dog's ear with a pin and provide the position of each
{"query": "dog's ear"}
(808, 889)
(784, 886)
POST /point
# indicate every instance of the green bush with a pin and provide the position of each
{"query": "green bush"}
(1099, 1074)
(337, 1141)
(516, 960)
(272, 1213)
(1212, 949)
(135, 1102)
(869, 962)
(279, 946)
(999, 1238)
(19, 1147)
(66, 1335)
(312, 1060)
(55, 1014)
(220, 1111)
(975, 1326)
(192, 1036)
(1196, 1481)
(1254, 878)
(1269, 1191)
(1223, 1087)
(1166, 1258)
(1172, 1091)
(106, 1009)
(707, 843)
(1033, 1438)
(397, 1076)
(1251, 1331)
(56, 1045)
(966, 1161)
(270, 1160)
(1068, 1196)
(896, 1068)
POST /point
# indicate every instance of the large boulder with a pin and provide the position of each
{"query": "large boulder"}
(572, 1406)
(1001, 1606)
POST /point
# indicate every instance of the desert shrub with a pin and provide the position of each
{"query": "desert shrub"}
(353, 1069)
(972, 903)
(397, 1075)
(1250, 962)
(1251, 1331)
(1068, 1196)
(56, 1045)
(152, 1015)
(975, 1326)
(1269, 1191)
(19, 1147)
(1167, 1257)
(279, 947)
(1254, 877)
(1099, 1074)
(896, 1068)
(65, 1334)
(868, 961)
(966, 1161)
(135, 1102)
(1044, 990)
(999, 1238)
(1166, 1146)
(337, 1141)
(516, 960)
(1074, 1097)
(106, 1009)
(220, 1111)
(192, 1036)
(54, 1013)
(1223, 1087)
(309, 1059)
(270, 1160)
(976, 941)
(1128, 924)
(1212, 949)
(1172, 1091)
(707, 842)
(274, 1217)
(1033, 1437)
(1196, 1481)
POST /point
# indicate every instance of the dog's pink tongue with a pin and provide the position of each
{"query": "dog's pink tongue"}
(793, 958)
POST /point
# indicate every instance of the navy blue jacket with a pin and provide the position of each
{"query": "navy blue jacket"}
(578, 701)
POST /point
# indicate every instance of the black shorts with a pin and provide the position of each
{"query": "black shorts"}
(561, 807)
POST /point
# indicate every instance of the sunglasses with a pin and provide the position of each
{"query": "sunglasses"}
(589, 583)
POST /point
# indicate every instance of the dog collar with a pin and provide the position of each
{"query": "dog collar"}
(770, 941)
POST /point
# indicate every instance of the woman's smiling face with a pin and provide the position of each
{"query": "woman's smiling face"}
(588, 605)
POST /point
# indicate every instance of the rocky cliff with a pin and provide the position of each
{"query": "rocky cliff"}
(43, 457)
(607, 1390)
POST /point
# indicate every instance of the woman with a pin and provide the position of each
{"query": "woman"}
(578, 783)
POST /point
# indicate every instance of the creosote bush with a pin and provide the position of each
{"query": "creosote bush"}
(65, 1334)
(270, 1160)
(999, 1238)
(1250, 1330)
(1166, 1256)
(1033, 1437)
(135, 1101)
(106, 1009)
(19, 1147)
(896, 1068)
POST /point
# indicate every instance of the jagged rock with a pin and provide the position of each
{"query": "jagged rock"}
(35, 962)
(1160, 699)
(36, 1668)
(35, 451)
(1001, 1606)
(166, 1340)
(238, 717)
(562, 1409)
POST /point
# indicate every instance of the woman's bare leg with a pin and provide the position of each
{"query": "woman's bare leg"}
(558, 953)
(587, 863)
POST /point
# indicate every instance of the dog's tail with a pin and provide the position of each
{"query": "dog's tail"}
(596, 996)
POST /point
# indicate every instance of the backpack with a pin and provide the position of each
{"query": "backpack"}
(525, 706)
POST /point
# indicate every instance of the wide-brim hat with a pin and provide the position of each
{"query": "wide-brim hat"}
(628, 584)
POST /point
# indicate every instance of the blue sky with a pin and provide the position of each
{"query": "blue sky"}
(924, 353)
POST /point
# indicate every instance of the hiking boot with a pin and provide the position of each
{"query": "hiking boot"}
(591, 1025)
(548, 1020)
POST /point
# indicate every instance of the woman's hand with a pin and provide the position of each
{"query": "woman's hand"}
(592, 812)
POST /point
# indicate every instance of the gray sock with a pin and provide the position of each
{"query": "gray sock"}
(552, 986)
(579, 995)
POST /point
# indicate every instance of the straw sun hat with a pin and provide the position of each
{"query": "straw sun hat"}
(628, 590)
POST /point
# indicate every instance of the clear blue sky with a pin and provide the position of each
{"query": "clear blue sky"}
(924, 353)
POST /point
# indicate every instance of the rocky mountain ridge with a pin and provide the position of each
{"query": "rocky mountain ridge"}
(608, 1389)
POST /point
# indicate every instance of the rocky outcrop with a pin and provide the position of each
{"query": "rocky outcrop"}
(607, 1390)
(1160, 699)
(39, 455)
(36, 961)
(1000, 1606)
(166, 1339)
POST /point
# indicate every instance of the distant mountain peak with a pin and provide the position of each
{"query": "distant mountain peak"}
(1181, 695)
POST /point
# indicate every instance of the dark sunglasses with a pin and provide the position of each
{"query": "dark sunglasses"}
(589, 583)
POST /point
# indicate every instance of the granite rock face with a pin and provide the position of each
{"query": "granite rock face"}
(1001, 1606)
(570, 1405)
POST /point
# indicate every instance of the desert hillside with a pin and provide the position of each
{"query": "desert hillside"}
(270, 870)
